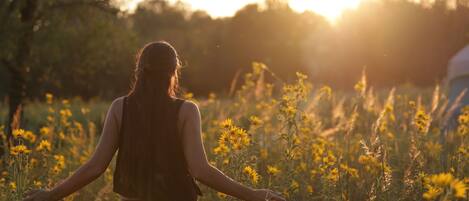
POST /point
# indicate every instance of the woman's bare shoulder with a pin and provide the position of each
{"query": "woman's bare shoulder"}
(189, 109)
(116, 107)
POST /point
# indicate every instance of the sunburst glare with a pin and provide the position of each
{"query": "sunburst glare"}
(330, 9)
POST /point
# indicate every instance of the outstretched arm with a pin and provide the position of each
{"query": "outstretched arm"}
(92, 169)
(203, 171)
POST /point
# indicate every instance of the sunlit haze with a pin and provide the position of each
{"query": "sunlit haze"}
(330, 9)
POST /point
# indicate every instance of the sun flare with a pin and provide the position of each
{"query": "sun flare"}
(129, 5)
(330, 9)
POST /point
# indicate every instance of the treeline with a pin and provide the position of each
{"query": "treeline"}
(88, 47)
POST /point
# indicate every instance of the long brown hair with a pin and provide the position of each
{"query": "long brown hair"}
(156, 72)
(148, 119)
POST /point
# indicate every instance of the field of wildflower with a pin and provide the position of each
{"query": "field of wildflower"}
(307, 142)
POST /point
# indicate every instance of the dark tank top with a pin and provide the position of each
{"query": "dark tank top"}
(153, 167)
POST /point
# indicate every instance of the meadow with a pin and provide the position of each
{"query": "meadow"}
(308, 142)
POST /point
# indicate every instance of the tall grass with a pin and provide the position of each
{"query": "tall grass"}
(307, 142)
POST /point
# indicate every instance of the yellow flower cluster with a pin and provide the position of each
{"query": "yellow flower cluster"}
(373, 165)
(422, 121)
(44, 145)
(231, 138)
(272, 170)
(59, 163)
(463, 120)
(19, 149)
(444, 185)
(307, 144)
(252, 174)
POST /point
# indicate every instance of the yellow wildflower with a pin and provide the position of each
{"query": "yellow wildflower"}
(226, 124)
(272, 170)
(422, 121)
(13, 186)
(255, 121)
(18, 133)
(49, 98)
(44, 145)
(37, 183)
(294, 185)
(19, 149)
(459, 188)
(28, 135)
(432, 193)
(252, 174)
(309, 189)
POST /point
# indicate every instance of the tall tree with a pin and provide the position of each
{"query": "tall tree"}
(21, 19)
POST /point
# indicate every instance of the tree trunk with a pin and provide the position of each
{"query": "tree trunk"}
(18, 68)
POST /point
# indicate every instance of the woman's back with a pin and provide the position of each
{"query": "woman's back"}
(154, 156)
(151, 163)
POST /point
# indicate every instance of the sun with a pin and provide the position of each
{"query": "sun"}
(330, 9)
(128, 5)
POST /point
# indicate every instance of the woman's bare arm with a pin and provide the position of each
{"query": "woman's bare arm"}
(199, 166)
(98, 163)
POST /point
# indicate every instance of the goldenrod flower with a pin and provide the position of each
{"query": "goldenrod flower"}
(432, 193)
(13, 186)
(459, 189)
(59, 163)
(66, 102)
(255, 121)
(45, 130)
(18, 133)
(325, 91)
(422, 121)
(252, 174)
(49, 98)
(19, 149)
(28, 135)
(360, 86)
(272, 170)
(44, 145)
(221, 195)
(444, 182)
(442, 179)
(309, 189)
(37, 184)
(65, 113)
(294, 185)
(350, 171)
(227, 123)
(333, 175)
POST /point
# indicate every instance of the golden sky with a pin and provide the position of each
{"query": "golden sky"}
(331, 9)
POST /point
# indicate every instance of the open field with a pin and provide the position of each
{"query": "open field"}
(308, 142)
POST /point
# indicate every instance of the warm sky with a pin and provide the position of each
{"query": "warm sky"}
(331, 9)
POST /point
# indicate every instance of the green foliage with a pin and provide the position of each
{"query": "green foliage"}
(83, 48)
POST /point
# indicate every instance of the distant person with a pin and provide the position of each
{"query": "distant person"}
(458, 97)
(458, 82)
(158, 136)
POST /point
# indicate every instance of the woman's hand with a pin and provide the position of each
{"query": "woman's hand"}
(268, 195)
(38, 195)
